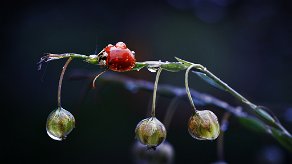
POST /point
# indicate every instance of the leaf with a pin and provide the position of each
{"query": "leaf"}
(173, 66)
(138, 66)
(200, 74)
(284, 139)
(208, 80)
(184, 62)
(252, 124)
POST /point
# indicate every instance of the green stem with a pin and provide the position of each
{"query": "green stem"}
(67, 55)
(187, 87)
(92, 59)
(154, 91)
(61, 80)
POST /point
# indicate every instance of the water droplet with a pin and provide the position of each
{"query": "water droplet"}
(152, 69)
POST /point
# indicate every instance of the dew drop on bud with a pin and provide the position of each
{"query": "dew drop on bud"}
(60, 123)
(204, 125)
(150, 132)
(152, 69)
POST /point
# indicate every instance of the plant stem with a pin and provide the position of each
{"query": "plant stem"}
(93, 82)
(154, 91)
(92, 59)
(66, 55)
(266, 118)
(61, 80)
(188, 89)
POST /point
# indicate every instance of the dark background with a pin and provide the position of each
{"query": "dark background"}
(246, 43)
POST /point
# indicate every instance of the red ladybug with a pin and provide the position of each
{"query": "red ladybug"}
(117, 58)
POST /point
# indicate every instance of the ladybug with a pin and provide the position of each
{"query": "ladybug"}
(117, 58)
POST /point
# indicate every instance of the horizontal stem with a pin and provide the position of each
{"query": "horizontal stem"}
(92, 59)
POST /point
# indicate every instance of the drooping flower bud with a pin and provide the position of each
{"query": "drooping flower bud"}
(60, 123)
(150, 132)
(204, 125)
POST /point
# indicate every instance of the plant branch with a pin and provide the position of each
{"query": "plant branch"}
(265, 119)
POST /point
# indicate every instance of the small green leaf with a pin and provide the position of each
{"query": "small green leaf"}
(138, 66)
(173, 66)
(184, 62)
(200, 74)
(209, 80)
(252, 124)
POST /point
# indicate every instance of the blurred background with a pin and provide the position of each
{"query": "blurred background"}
(247, 43)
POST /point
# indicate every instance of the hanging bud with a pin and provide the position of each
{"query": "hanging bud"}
(150, 132)
(60, 123)
(204, 125)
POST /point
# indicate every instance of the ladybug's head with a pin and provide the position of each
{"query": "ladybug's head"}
(101, 58)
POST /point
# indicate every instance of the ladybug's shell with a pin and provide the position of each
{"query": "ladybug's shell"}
(119, 58)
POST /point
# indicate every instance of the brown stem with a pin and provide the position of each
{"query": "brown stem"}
(93, 82)
(188, 89)
(154, 92)
(61, 80)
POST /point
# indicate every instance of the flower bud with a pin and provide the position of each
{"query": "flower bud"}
(204, 125)
(60, 123)
(150, 132)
